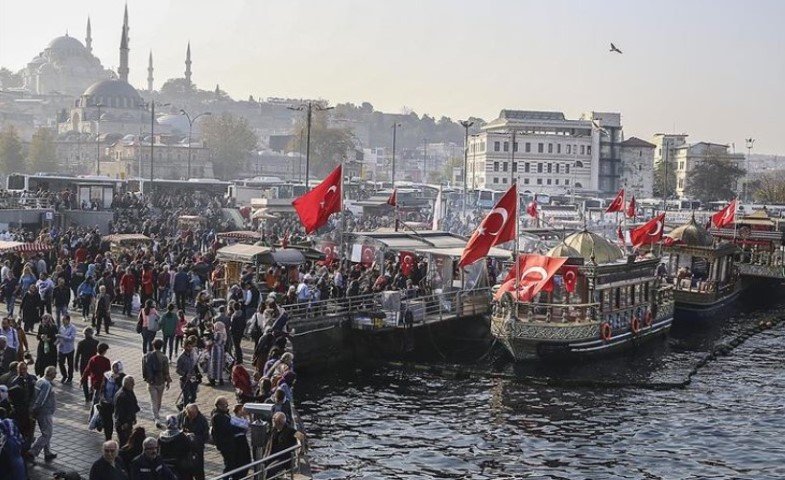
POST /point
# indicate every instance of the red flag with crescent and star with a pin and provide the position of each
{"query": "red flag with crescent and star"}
(315, 207)
(407, 261)
(393, 200)
(631, 207)
(535, 271)
(726, 216)
(570, 277)
(617, 205)
(329, 251)
(497, 227)
(367, 255)
(648, 233)
(531, 209)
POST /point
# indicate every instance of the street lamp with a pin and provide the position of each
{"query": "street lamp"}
(466, 124)
(395, 132)
(151, 105)
(98, 138)
(308, 107)
(750, 142)
(191, 122)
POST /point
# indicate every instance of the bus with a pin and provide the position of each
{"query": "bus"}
(88, 189)
(211, 186)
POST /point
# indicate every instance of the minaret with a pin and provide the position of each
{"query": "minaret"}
(188, 64)
(150, 74)
(88, 41)
(123, 70)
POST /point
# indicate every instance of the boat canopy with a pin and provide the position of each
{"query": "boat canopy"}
(242, 253)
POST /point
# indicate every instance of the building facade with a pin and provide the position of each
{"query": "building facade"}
(129, 157)
(689, 157)
(552, 154)
(637, 167)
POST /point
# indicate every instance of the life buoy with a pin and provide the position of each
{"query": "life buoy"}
(635, 325)
(647, 320)
(606, 332)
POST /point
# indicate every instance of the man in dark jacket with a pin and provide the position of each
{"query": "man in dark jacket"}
(61, 296)
(125, 409)
(196, 426)
(7, 355)
(181, 287)
(102, 310)
(109, 466)
(85, 350)
(237, 329)
(149, 465)
(229, 439)
(282, 436)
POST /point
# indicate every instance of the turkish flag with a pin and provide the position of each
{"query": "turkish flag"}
(631, 208)
(393, 200)
(316, 206)
(497, 227)
(367, 255)
(329, 249)
(407, 261)
(726, 216)
(535, 274)
(617, 205)
(648, 233)
(570, 277)
(620, 235)
(531, 209)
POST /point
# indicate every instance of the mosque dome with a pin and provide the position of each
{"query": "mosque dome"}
(691, 234)
(589, 245)
(66, 45)
(113, 94)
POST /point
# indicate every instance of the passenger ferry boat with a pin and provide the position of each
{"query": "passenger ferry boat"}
(617, 302)
(702, 271)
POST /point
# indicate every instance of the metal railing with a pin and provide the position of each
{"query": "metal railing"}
(30, 202)
(557, 312)
(451, 303)
(262, 466)
(310, 313)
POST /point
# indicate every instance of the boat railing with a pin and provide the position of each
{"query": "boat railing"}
(282, 464)
(566, 313)
(313, 312)
(762, 257)
(454, 302)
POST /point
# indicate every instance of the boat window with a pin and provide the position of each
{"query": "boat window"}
(618, 298)
(646, 292)
(633, 300)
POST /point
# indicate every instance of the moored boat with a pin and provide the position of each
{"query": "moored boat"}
(598, 301)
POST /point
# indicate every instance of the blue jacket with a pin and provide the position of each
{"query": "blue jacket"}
(182, 283)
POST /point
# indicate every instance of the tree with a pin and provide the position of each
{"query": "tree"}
(9, 79)
(329, 145)
(42, 156)
(230, 141)
(770, 188)
(659, 182)
(11, 156)
(713, 178)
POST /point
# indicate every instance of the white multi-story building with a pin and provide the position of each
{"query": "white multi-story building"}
(637, 167)
(552, 154)
(688, 157)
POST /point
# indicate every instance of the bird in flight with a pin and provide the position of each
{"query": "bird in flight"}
(614, 49)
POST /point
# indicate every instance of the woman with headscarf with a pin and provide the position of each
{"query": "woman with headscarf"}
(30, 307)
(176, 449)
(47, 351)
(217, 349)
(11, 463)
(111, 383)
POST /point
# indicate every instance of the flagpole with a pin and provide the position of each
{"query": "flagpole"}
(342, 230)
(514, 184)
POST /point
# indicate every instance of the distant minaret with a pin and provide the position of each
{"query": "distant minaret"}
(123, 70)
(188, 64)
(150, 73)
(88, 41)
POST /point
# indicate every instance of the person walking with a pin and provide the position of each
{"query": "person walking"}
(85, 349)
(127, 290)
(61, 296)
(168, 325)
(65, 348)
(237, 329)
(31, 308)
(181, 287)
(155, 371)
(227, 437)
(194, 423)
(109, 466)
(179, 331)
(95, 369)
(43, 410)
(176, 451)
(10, 289)
(125, 409)
(148, 325)
(110, 385)
(217, 360)
(85, 293)
(188, 371)
(47, 351)
(103, 307)
(149, 465)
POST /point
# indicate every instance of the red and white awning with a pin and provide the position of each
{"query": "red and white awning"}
(22, 247)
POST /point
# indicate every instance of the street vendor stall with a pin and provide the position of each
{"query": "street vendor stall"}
(236, 256)
(119, 241)
(241, 236)
(23, 247)
(185, 222)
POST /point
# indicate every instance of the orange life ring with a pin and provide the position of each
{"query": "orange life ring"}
(606, 332)
(635, 325)
(647, 320)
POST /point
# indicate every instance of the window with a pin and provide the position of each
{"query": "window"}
(588, 150)
(528, 147)
(496, 146)
(526, 167)
(482, 146)
(515, 167)
(539, 168)
(515, 147)
(550, 168)
(566, 181)
(557, 168)
(525, 181)
(583, 149)
(569, 149)
(575, 149)
(539, 181)
(578, 164)
(550, 148)
(504, 166)
(549, 181)
(617, 300)
(506, 146)
(504, 179)
(557, 181)
(495, 179)
(495, 166)
(567, 168)
(540, 148)
(558, 148)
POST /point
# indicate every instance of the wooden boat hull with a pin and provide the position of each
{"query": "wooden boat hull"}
(692, 306)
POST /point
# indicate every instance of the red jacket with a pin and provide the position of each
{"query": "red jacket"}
(95, 369)
(147, 281)
(128, 284)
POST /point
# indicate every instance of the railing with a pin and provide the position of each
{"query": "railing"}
(12, 203)
(309, 313)
(266, 464)
(557, 312)
(451, 303)
(763, 258)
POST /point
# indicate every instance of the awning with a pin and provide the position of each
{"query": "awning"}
(456, 252)
(21, 247)
(242, 253)
(263, 213)
(287, 256)
(126, 237)
(241, 235)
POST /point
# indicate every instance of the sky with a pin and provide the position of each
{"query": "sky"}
(711, 68)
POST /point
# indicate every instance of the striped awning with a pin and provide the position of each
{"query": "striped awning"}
(21, 247)
(241, 235)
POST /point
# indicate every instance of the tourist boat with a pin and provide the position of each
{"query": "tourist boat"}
(617, 302)
(703, 272)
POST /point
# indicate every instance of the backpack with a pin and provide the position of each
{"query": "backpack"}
(153, 322)
(152, 365)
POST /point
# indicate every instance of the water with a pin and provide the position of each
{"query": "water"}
(729, 422)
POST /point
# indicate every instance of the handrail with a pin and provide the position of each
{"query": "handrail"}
(261, 475)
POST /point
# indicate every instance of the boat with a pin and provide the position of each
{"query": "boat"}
(702, 271)
(617, 302)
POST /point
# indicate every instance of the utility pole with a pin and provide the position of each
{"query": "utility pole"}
(750, 142)
(466, 124)
(191, 122)
(308, 108)
(395, 131)
(98, 139)
(152, 140)
(424, 160)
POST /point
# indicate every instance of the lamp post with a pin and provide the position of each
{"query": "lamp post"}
(191, 122)
(98, 139)
(308, 108)
(749, 142)
(395, 133)
(424, 160)
(466, 124)
(152, 105)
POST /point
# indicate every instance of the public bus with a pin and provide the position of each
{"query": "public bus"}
(53, 182)
(207, 185)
